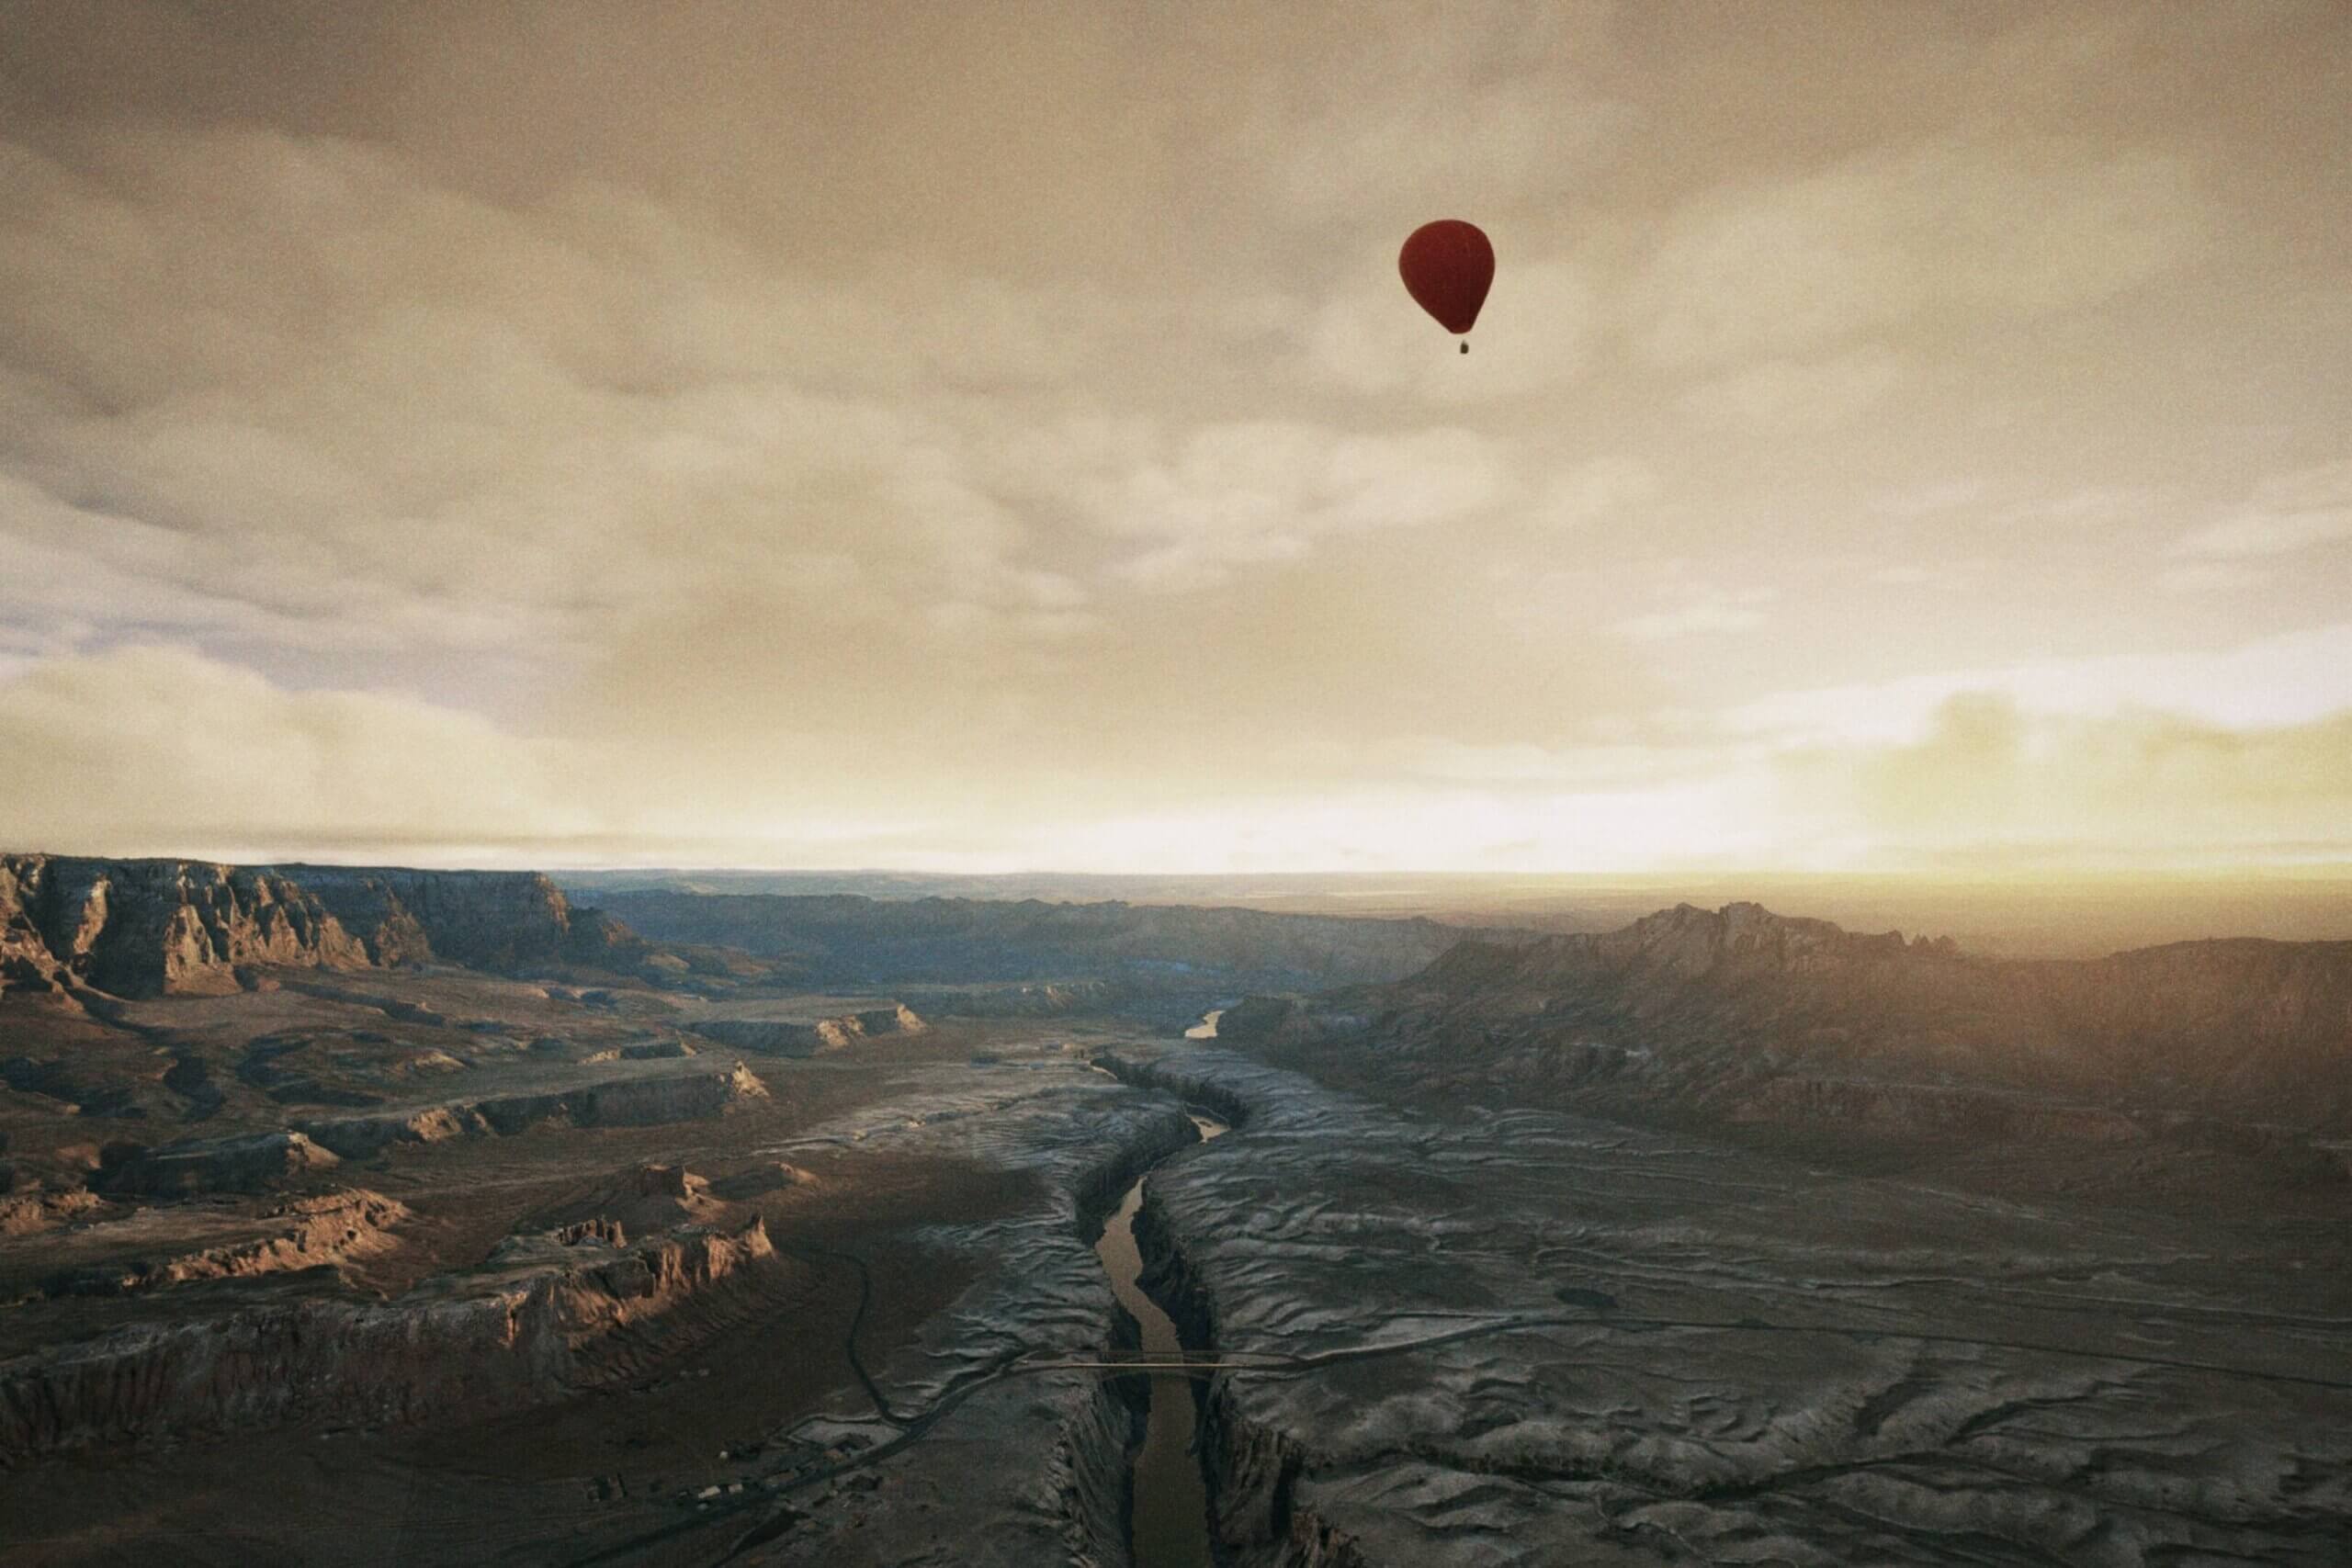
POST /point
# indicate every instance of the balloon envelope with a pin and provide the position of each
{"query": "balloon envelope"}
(1448, 266)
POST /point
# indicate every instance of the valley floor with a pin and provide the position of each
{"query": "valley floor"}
(1455, 1336)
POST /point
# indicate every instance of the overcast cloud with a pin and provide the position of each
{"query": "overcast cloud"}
(867, 435)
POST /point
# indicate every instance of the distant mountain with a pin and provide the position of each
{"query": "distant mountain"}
(1753, 1015)
(138, 927)
(2083, 916)
(845, 940)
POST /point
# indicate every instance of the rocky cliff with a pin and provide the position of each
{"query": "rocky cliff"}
(136, 927)
(811, 1036)
(125, 1256)
(483, 920)
(1733, 1009)
(148, 927)
(524, 1328)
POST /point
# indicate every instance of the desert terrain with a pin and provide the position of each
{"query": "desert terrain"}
(393, 1217)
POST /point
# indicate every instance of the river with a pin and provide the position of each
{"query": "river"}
(1171, 1507)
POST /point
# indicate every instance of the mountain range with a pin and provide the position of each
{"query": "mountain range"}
(1748, 1013)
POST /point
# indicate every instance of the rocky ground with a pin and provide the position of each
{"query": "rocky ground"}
(1518, 1337)
(1724, 1238)
(655, 1342)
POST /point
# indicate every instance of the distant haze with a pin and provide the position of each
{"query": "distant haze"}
(2087, 915)
(1906, 440)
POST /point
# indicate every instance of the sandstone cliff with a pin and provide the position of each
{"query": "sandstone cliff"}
(483, 920)
(157, 1249)
(148, 927)
(810, 1037)
(137, 928)
(524, 1328)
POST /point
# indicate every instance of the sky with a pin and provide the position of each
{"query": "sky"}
(1900, 437)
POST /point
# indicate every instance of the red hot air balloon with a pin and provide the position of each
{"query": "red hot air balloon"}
(1448, 266)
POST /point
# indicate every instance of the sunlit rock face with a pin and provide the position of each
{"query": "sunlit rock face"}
(1524, 1337)
(516, 1331)
(142, 928)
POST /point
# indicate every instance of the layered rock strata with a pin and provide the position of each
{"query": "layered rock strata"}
(642, 1099)
(521, 1330)
(328, 1231)
(140, 927)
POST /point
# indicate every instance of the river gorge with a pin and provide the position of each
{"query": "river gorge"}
(1170, 1498)
(1441, 1335)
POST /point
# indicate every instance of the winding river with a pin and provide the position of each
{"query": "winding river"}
(1171, 1506)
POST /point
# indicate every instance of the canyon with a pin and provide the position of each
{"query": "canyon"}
(490, 1227)
(147, 928)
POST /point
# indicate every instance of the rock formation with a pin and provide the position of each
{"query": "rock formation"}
(359, 1137)
(810, 1037)
(483, 920)
(140, 927)
(1750, 1013)
(646, 1100)
(638, 1100)
(253, 1162)
(521, 1329)
(329, 1230)
(28, 1214)
(645, 1197)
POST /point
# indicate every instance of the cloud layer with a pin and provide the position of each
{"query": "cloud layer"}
(754, 431)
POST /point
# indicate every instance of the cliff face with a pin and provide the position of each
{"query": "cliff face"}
(148, 927)
(136, 927)
(811, 1036)
(1731, 1008)
(325, 1231)
(484, 920)
(524, 1329)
